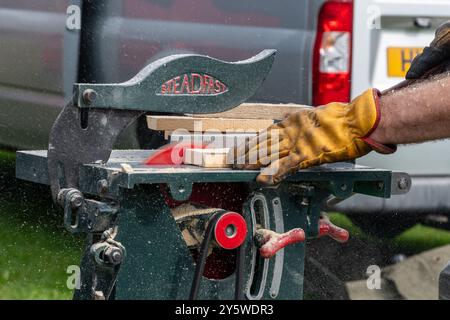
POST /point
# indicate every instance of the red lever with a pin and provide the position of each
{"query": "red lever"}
(171, 154)
(326, 228)
(270, 242)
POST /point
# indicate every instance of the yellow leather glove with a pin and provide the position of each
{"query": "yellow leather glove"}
(330, 133)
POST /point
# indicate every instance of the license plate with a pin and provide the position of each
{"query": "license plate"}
(399, 60)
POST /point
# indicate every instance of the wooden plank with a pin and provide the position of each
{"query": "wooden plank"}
(213, 140)
(167, 134)
(257, 111)
(208, 158)
(172, 123)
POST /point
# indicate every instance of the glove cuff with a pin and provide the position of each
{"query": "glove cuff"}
(380, 147)
(375, 145)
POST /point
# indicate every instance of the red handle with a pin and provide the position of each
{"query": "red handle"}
(270, 242)
(326, 228)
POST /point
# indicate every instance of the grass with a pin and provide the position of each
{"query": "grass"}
(35, 249)
(420, 238)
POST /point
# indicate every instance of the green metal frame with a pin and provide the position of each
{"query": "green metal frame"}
(143, 91)
(158, 264)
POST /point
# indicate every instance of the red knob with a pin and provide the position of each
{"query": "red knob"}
(326, 228)
(270, 242)
(230, 230)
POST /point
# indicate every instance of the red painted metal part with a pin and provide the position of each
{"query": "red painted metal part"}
(326, 228)
(271, 242)
(171, 154)
(230, 230)
(231, 196)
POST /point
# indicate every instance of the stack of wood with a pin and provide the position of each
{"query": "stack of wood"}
(246, 119)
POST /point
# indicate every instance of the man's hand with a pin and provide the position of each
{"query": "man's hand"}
(330, 133)
(435, 58)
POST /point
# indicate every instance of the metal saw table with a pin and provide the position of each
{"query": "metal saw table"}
(134, 247)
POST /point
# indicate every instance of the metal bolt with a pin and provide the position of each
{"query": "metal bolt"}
(76, 201)
(230, 231)
(402, 183)
(89, 96)
(115, 256)
(102, 186)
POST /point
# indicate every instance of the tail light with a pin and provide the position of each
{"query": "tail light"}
(332, 53)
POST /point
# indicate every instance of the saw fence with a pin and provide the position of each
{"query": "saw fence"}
(177, 231)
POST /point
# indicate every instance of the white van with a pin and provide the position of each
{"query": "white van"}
(387, 34)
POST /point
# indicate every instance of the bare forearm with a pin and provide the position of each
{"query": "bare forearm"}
(415, 114)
